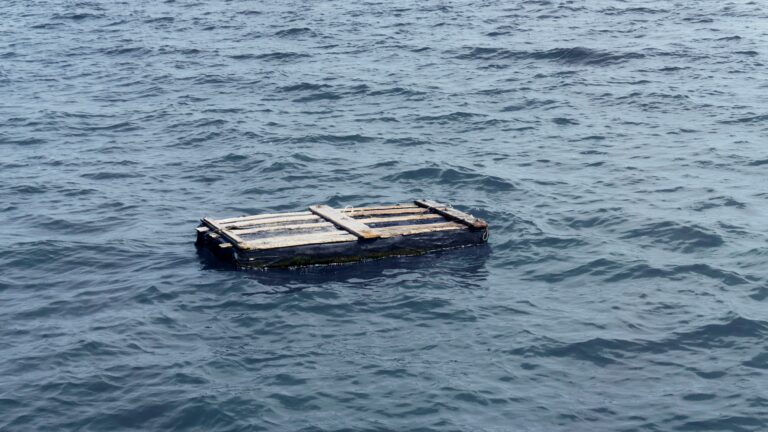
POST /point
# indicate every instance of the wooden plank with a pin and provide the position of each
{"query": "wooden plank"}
(273, 220)
(260, 216)
(221, 231)
(400, 218)
(399, 230)
(343, 221)
(389, 207)
(284, 228)
(299, 240)
(453, 214)
(304, 213)
(397, 211)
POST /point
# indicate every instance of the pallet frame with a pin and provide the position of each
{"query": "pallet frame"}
(326, 235)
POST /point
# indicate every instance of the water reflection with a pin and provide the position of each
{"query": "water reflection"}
(466, 264)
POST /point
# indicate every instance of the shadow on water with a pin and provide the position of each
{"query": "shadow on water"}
(468, 264)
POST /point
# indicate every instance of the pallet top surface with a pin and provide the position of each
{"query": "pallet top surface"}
(322, 224)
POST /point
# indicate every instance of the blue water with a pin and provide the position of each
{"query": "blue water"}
(617, 150)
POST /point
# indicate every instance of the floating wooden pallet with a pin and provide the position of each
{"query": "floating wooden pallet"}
(327, 235)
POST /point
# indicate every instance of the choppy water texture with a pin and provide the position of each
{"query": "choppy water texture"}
(618, 151)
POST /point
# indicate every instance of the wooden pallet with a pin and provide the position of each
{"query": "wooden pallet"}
(327, 235)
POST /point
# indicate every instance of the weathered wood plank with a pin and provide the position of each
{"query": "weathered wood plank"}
(406, 218)
(298, 240)
(393, 231)
(221, 231)
(354, 210)
(388, 207)
(285, 228)
(396, 211)
(304, 213)
(452, 214)
(260, 216)
(341, 220)
(273, 220)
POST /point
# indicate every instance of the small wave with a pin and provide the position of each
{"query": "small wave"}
(642, 271)
(720, 335)
(281, 166)
(396, 91)
(576, 55)
(273, 56)
(406, 142)
(318, 96)
(165, 19)
(563, 121)
(117, 127)
(333, 139)
(294, 32)
(127, 51)
(77, 16)
(530, 104)
(633, 10)
(604, 352)
(592, 138)
(449, 118)
(720, 201)
(377, 119)
(759, 294)
(606, 218)
(542, 242)
(111, 175)
(751, 119)
(667, 69)
(48, 25)
(675, 236)
(699, 19)
(4, 139)
(303, 87)
(455, 177)
(598, 267)
(30, 189)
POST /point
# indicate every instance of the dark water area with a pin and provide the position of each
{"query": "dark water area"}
(617, 150)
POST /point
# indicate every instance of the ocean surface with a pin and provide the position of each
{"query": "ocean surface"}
(618, 150)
